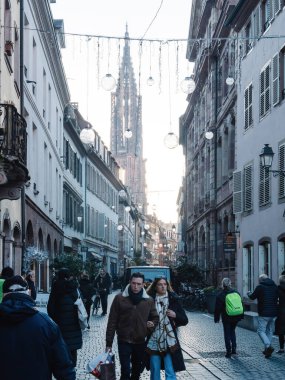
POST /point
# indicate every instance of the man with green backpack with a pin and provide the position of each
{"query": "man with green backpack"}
(229, 306)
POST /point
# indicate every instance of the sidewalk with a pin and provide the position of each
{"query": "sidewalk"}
(203, 349)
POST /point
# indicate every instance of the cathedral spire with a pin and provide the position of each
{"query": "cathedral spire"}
(127, 32)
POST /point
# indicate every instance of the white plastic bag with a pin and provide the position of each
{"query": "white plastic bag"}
(94, 365)
(82, 313)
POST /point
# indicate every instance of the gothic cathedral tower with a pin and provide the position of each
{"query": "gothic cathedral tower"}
(126, 115)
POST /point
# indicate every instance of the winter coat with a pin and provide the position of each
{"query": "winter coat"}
(87, 290)
(31, 346)
(280, 321)
(220, 308)
(103, 284)
(62, 310)
(266, 294)
(180, 320)
(129, 321)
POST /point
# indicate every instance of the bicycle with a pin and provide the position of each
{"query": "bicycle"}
(96, 303)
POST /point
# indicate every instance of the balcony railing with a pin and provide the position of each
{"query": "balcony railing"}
(13, 152)
(13, 134)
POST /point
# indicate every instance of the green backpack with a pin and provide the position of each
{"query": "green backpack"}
(234, 305)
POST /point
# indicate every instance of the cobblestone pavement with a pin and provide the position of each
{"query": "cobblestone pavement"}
(203, 348)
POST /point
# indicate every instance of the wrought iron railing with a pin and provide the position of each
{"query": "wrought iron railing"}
(13, 134)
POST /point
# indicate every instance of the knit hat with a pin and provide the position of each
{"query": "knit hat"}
(15, 284)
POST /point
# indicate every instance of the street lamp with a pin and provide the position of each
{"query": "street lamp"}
(266, 159)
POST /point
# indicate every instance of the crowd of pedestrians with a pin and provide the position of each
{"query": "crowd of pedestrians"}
(145, 321)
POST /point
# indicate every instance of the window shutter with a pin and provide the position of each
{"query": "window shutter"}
(257, 22)
(277, 6)
(248, 107)
(275, 80)
(264, 186)
(264, 81)
(281, 166)
(261, 100)
(237, 193)
(248, 204)
(101, 234)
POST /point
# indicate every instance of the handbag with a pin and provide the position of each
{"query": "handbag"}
(108, 371)
(82, 313)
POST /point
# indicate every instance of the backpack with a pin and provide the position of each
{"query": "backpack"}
(234, 305)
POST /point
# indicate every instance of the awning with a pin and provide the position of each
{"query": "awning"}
(96, 256)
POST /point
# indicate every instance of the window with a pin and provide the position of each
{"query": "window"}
(281, 166)
(247, 269)
(275, 80)
(248, 188)
(282, 72)
(237, 192)
(248, 121)
(264, 253)
(264, 81)
(264, 186)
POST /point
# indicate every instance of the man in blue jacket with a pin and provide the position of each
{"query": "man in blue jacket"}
(31, 343)
(266, 294)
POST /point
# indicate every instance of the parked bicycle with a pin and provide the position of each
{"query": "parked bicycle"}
(196, 301)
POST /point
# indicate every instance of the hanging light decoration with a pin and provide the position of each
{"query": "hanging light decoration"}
(119, 227)
(128, 208)
(87, 136)
(150, 81)
(128, 133)
(170, 140)
(188, 85)
(108, 82)
(230, 81)
(209, 135)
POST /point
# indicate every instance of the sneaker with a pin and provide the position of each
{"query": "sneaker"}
(234, 352)
(228, 355)
(281, 351)
(268, 352)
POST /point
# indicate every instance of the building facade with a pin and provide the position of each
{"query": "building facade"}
(258, 196)
(207, 134)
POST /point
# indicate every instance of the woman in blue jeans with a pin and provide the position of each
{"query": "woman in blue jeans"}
(163, 348)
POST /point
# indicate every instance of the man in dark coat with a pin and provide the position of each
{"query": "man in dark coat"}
(229, 322)
(280, 321)
(103, 283)
(31, 343)
(87, 292)
(266, 294)
(62, 310)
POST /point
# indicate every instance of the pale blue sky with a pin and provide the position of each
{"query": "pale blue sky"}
(96, 17)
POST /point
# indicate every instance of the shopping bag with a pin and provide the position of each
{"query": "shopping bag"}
(82, 313)
(94, 366)
(108, 371)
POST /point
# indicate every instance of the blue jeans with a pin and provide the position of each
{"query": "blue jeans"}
(265, 329)
(155, 365)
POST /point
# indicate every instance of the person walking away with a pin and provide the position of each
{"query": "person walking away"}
(229, 307)
(163, 344)
(7, 272)
(103, 283)
(61, 309)
(266, 294)
(87, 292)
(280, 320)
(31, 283)
(32, 346)
(132, 316)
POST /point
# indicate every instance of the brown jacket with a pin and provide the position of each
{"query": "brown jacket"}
(129, 321)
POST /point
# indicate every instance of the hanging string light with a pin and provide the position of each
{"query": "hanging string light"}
(108, 82)
(230, 79)
(87, 135)
(128, 133)
(171, 139)
(150, 80)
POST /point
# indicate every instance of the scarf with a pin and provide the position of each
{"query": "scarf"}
(135, 297)
(163, 337)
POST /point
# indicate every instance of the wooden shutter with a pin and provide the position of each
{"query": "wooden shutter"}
(275, 80)
(101, 230)
(248, 107)
(237, 192)
(264, 186)
(257, 22)
(281, 166)
(261, 262)
(264, 81)
(248, 187)
(276, 6)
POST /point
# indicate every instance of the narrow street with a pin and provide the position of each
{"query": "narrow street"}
(203, 347)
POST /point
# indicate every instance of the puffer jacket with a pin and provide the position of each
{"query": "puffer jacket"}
(266, 294)
(62, 310)
(31, 343)
(129, 321)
